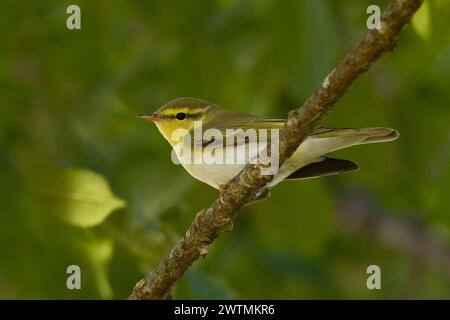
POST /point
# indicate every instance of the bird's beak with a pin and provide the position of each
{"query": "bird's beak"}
(149, 116)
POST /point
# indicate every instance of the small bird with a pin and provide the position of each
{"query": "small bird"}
(308, 161)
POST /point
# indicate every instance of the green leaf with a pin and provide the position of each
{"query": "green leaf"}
(80, 197)
(421, 21)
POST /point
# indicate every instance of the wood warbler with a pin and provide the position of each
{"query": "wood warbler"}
(181, 115)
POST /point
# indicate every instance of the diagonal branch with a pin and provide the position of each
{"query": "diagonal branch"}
(242, 188)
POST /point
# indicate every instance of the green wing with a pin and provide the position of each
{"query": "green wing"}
(246, 123)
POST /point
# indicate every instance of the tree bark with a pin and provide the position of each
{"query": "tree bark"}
(209, 223)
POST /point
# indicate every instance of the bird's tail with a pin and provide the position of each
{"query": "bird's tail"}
(309, 159)
(342, 138)
(325, 140)
(373, 135)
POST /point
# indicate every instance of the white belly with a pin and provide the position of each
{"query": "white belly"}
(213, 174)
(219, 174)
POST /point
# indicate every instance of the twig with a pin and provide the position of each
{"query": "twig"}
(241, 189)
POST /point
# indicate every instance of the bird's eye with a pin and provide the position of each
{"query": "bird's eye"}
(181, 116)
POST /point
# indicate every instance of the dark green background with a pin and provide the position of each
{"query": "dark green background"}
(68, 101)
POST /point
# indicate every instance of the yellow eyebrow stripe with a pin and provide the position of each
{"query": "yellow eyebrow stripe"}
(193, 112)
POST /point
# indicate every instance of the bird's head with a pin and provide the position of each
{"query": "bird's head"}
(180, 114)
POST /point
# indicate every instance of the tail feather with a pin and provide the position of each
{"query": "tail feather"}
(374, 135)
(356, 136)
(309, 159)
(325, 140)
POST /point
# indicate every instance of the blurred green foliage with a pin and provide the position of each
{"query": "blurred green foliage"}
(114, 203)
